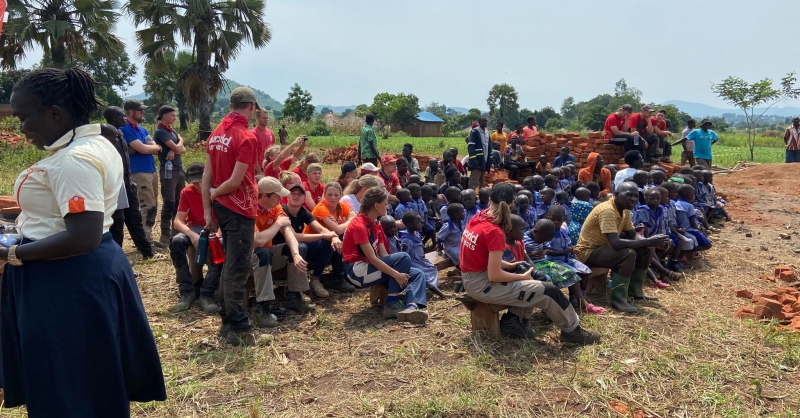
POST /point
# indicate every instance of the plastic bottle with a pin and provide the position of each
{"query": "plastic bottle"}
(168, 170)
(636, 140)
(215, 248)
(202, 248)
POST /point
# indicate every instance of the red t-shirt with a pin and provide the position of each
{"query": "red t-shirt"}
(269, 171)
(391, 182)
(316, 194)
(361, 230)
(191, 202)
(660, 125)
(518, 251)
(231, 143)
(302, 174)
(528, 132)
(480, 237)
(459, 166)
(613, 120)
(265, 138)
(638, 123)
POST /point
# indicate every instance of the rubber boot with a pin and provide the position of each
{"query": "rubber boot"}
(618, 294)
(635, 289)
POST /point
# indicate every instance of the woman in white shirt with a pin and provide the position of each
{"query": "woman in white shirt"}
(75, 338)
(356, 189)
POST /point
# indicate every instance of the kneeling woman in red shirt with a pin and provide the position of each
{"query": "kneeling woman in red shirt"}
(368, 262)
(487, 280)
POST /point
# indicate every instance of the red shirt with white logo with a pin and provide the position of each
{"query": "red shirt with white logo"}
(479, 238)
(231, 143)
(362, 230)
(191, 202)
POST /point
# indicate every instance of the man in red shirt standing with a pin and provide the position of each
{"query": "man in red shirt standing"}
(229, 182)
(388, 173)
(264, 136)
(616, 130)
(530, 130)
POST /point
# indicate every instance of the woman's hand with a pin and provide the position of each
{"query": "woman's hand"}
(402, 278)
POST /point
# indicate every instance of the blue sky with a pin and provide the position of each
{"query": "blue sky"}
(453, 51)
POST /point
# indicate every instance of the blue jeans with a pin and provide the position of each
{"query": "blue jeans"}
(317, 253)
(366, 275)
(792, 156)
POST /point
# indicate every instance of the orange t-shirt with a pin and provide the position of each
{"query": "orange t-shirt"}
(321, 212)
(265, 218)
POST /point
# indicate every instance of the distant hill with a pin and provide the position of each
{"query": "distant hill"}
(699, 110)
(264, 100)
(335, 109)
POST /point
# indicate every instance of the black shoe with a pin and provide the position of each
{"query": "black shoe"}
(239, 338)
(224, 329)
(580, 336)
(338, 283)
(187, 299)
(207, 304)
(263, 317)
(510, 326)
(296, 302)
(528, 327)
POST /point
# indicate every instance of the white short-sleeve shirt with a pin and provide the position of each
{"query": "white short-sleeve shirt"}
(82, 176)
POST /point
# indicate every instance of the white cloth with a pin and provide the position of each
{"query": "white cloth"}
(82, 176)
(352, 201)
(622, 175)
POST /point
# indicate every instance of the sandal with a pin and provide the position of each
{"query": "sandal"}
(593, 310)
(157, 257)
(661, 285)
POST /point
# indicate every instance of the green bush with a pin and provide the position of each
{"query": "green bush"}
(319, 129)
(399, 134)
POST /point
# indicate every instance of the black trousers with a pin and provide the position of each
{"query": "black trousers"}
(237, 242)
(132, 218)
(626, 141)
(170, 197)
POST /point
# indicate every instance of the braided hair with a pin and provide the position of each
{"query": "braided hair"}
(72, 90)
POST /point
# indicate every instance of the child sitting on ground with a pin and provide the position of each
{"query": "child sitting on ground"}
(681, 242)
(580, 211)
(533, 184)
(483, 198)
(453, 179)
(453, 195)
(449, 237)
(559, 250)
(657, 177)
(418, 205)
(687, 218)
(523, 205)
(551, 181)
(404, 196)
(389, 226)
(427, 193)
(415, 179)
(411, 243)
(564, 181)
(717, 201)
(653, 217)
(542, 167)
(594, 192)
(469, 200)
(642, 180)
(562, 199)
(434, 173)
(548, 195)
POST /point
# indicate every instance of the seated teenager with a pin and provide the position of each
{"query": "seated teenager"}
(595, 172)
(188, 223)
(564, 158)
(276, 160)
(335, 216)
(453, 177)
(355, 191)
(302, 169)
(368, 262)
(313, 185)
(453, 195)
(617, 127)
(485, 279)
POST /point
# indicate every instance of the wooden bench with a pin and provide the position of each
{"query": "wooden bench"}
(379, 293)
(597, 279)
(484, 317)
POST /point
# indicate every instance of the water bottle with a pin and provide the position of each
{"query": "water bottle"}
(636, 140)
(168, 170)
(202, 248)
(215, 248)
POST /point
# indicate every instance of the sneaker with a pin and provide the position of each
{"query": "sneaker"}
(207, 304)
(339, 284)
(580, 336)
(412, 315)
(390, 310)
(296, 302)
(512, 327)
(239, 338)
(262, 316)
(186, 301)
(319, 289)
(224, 329)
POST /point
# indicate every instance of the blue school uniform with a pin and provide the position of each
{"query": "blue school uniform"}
(542, 208)
(684, 242)
(567, 212)
(564, 184)
(530, 218)
(394, 245)
(561, 242)
(684, 214)
(419, 206)
(470, 213)
(654, 221)
(481, 206)
(401, 209)
(701, 195)
(415, 250)
(531, 245)
(450, 237)
(443, 213)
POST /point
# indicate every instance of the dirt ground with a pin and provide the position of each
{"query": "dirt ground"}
(683, 356)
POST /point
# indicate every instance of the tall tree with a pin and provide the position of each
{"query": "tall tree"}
(7, 81)
(748, 97)
(437, 109)
(325, 110)
(216, 31)
(594, 117)
(396, 109)
(64, 29)
(298, 105)
(568, 110)
(544, 114)
(502, 103)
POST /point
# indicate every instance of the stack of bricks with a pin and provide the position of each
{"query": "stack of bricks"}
(580, 147)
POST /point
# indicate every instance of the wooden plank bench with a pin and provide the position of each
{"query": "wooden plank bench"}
(484, 317)
(597, 280)
(379, 293)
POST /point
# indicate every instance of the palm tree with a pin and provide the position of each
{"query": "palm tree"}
(161, 83)
(216, 30)
(64, 29)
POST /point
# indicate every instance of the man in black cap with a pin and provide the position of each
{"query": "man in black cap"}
(171, 174)
(348, 174)
(617, 127)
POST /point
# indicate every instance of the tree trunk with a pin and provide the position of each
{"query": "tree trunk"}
(180, 98)
(204, 64)
(58, 53)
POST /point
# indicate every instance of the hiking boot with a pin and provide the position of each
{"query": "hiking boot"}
(164, 240)
(223, 330)
(580, 336)
(263, 317)
(390, 310)
(528, 327)
(319, 289)
(239, 338)
(157, 245)
(207, 304)
(339, 284)
(186, 301)
(512, 327)
(296, 302)
(412, 315)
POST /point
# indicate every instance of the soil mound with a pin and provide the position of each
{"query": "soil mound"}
(778, 178)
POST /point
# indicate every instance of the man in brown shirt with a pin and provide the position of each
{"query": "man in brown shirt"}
(792, 140)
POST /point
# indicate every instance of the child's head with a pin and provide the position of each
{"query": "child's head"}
(575, 186)
(456, 212)
(547, 195)
(426, 192)
(468, 199)
(528, 183)
(518, 188)
(573, 169)
(583, 194)
(557, 215)
(686, 192)
(543, 231)
(522, 203)
(652, 198)
(433, 164)
(708, 176)
(562, 197)
(641, 178)
(566, 172)
(484, 194)
(558, 173)
(686, 170)
(672, 189)
(453, 194)
(564, 153)
(551, 181)
(526, 193)
(517, 232)
(594, 188)
(698, 168)
(447, 157)
(389, 226)
(496, 145)
(412, 221)
(415, 190)
(612, 168)
(657, 176)
(664, 195)
(538, 183)
(403, 195)
(543, 160)
(689, 179)
(452, 175)
(454, 151)
(415, 179)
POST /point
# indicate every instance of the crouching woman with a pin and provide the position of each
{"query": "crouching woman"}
(485, 280)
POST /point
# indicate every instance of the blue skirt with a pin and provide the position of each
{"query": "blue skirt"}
(74, 337)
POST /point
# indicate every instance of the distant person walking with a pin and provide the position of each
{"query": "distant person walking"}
(703, 139)
(283, 134)
(478, 148)
(368, 143)
(792, 140)
(171, 174)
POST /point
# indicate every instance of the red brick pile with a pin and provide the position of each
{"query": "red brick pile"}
(11, 138)
(781, 305)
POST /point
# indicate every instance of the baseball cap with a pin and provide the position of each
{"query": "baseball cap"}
(706, 121)
(271, 185)
(314, 167)
(369, 168)
(388, 159)
(347, 167)
(296, 186)
(133, 104)
(195, 172)
(647, 108)
(164, 110)
(241, 95)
